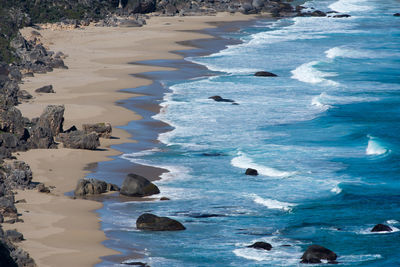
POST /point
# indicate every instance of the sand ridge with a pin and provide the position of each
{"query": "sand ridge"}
(59, 230)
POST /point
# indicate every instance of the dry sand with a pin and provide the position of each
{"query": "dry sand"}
(59, 230)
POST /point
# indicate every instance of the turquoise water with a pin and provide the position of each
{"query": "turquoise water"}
(324, 136)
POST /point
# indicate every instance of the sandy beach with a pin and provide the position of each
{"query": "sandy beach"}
(59, 230)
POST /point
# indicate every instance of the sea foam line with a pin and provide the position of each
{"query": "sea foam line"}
(243, 161)
(272, 203)
(309, 74)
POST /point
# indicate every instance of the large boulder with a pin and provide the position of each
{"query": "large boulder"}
(261, 245)
(101, 129)
(41, 137)
(152, 222)
(11, 121)
(316, 253)
(137, 186)
(93, 187)
(79, 140)
(381, 228)
(53, 118)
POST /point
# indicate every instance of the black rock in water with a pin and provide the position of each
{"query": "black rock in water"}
(152, 222)
(220, 99)
(316, 253)
(261, 245)
(342, 16)
(45, 89)
(137, 186)
(381, 228)
(265, 74)
(396, 14)
(251, 171)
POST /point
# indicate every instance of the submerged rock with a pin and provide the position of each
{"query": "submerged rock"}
(261, 245)
(381, 228)
(342, 16)
(137, 186)
(396, 14)
(316, 253)
(251, 171)
(265, 74)
(218, 98)
(152, 222)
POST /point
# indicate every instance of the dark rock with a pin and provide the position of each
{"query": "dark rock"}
(5, 256)
(381, 228)
(342, 16)
(43, 189)
(11, 121)
(205, 215)
(316, 253)
(265, 74)
(101, 129)
(396, 14)
(8, 93)
(53, 118)
(251, 171)
(152, 222)
(220, 99)
(71, 129)
(79, 140)
(261, 245)
(92, 186)
(137, 186)
(14, 236)
(18, 175)
(45, 89)
(22, 258)
(41, 137)
(23, 94)
(212, 154)
(164, 199)
(136, 263)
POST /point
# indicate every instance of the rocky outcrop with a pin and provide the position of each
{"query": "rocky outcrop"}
(151, 222)
(79, 140)
(250, 171)
(93, 186)
(265, 74)
(137, 186)
(18, 175)
(316, 253)
(261, 245)
(381, 228)
(102, 129)
(53, 119)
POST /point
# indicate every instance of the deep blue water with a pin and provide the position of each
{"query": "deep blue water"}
(324, 136)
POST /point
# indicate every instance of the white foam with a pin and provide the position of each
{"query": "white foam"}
(348, 53)
(243, 161)
(317, 102)
(308, 74)
(358, 258)
(392, 222)
(350, 6)
(272, 203)
(277, 256)
(374, 147)
(336, 190)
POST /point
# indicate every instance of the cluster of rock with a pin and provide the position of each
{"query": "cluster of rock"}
(33, 56)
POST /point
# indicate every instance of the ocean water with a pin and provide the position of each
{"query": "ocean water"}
(324, 136)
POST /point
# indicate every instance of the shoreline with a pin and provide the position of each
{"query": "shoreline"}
(59, 230)
(149, 105)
